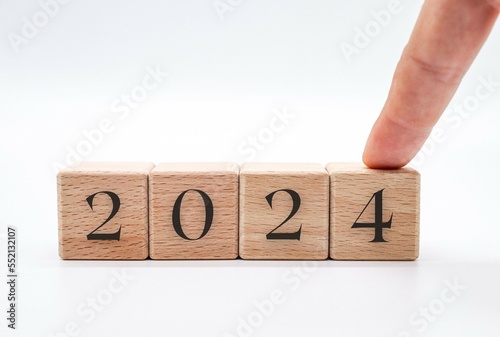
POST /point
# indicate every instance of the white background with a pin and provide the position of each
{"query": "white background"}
(227, 76)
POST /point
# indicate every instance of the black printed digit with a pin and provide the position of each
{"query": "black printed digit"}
(295, 207)
(116, 206)
(176, 214)
(379, 224)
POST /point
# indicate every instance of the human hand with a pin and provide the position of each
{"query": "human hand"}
(447, 37)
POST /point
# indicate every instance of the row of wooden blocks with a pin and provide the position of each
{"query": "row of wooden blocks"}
(130, 211)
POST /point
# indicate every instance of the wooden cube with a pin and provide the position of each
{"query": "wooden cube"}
(103, 211)
(374, 213)
(284, 211)
(194, 211)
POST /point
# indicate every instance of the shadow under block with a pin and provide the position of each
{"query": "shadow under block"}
(284, 211)
(103, 211)
(374, 213)
(194, 211)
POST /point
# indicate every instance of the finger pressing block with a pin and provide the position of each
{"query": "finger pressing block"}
(103, 211)
(374, 213)
(284, 211)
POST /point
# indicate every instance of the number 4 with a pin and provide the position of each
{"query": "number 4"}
(379, 224)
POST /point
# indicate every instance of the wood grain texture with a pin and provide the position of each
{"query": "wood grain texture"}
(220, 182)
(257, 218)
(352, 186)
(76, 219)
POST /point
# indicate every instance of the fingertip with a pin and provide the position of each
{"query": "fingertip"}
(387, 148)
(375, 161)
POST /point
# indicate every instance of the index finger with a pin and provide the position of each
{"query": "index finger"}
(447, 37)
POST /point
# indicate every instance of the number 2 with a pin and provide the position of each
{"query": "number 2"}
(295, 207)
(116, 206)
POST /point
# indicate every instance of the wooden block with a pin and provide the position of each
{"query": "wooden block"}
(194, 211)
(103, 211)
(374, 213)
(284, 211)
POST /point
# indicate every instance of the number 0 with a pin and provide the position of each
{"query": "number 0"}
(176, 214)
